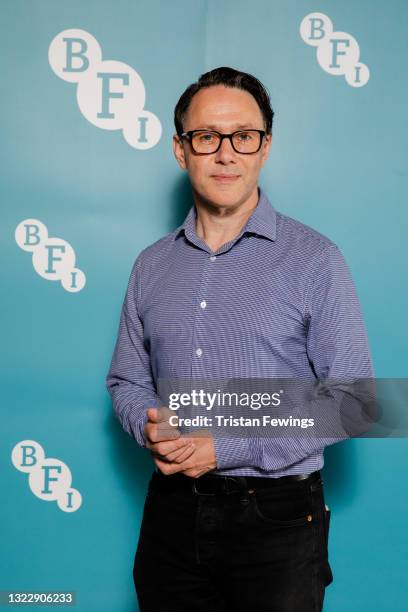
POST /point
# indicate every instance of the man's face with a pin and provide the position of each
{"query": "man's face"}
(225, 110)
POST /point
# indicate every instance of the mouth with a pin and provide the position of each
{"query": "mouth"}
(225, 178)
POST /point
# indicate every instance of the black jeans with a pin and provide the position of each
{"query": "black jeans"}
(258, 550)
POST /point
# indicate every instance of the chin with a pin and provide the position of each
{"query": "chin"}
(225, 195)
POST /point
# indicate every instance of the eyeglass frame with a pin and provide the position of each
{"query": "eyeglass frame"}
(222, 136)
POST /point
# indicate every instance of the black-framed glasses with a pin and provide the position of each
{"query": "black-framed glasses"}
(205, 142)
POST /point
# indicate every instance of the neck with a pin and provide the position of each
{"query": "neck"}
(217, 224)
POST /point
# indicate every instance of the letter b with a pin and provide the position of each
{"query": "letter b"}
(78, 54)
(28, 452)
(314, 28)
(27, 455)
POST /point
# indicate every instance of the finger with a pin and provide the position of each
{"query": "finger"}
(166, 432)
(181, 454)
(195, 473)
(164, 413)
(157, 414)
(156, 434)
(153, 414)
(172, 468)
(169, 446)
(165, 467)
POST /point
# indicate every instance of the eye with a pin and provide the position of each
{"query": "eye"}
(206, 137)
(244, 136)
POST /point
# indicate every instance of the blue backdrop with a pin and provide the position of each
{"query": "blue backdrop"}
(336, 164)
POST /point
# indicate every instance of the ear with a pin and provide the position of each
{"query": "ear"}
(266, 147)
(178, 150)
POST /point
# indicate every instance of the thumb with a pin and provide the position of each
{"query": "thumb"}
(153, 414)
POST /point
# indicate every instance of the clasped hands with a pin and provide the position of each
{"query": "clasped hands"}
(173, 452)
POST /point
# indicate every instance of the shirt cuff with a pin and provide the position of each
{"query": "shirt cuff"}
(137, 424)
(232, 452)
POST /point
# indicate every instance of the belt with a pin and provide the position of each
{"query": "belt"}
(213, 484)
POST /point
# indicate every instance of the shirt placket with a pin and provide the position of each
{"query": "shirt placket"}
(202, 310)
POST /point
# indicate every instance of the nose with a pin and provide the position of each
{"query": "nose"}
(225, 153)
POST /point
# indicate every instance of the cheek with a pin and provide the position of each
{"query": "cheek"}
(253, 166)
(199, 170)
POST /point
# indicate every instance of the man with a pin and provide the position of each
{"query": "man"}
(238, 291)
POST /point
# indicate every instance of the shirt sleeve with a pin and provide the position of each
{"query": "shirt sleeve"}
(129, 380)
(339, 355)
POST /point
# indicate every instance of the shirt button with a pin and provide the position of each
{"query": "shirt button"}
(213, 258)
(199, 352)
(203, 304)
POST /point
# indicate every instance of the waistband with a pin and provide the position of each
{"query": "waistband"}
(214, 484)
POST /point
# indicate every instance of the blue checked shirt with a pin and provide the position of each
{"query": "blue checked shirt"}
(276, 301)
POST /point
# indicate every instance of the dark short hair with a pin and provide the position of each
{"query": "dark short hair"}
(229, 78)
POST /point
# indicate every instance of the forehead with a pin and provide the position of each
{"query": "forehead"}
(219, 105)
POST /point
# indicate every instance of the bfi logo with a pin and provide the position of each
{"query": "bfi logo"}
(49, 479)
(110, 94)
(338, 53)
(53, 258)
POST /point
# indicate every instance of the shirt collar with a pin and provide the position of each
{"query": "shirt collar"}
(262, 221)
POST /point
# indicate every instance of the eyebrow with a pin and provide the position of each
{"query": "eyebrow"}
(244, 126)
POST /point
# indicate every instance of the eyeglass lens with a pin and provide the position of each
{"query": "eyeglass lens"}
(246, 141)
